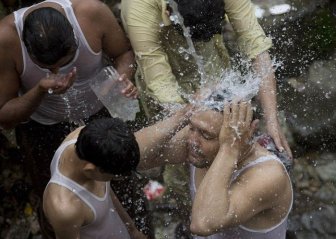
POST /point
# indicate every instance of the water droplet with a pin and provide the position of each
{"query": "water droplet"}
(161, 24)
(186, 56)
(174, 19)
(181, 50)
(50, 91)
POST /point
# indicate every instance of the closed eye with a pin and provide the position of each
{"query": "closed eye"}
(207, 136)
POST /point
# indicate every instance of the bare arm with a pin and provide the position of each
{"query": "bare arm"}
(267, 95)
(164, 141)
(65, 216)
(14, 108)
(113, 39)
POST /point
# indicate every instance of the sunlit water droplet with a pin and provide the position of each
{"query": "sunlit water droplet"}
(181, 50)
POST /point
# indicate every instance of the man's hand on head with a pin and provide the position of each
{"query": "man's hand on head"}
(237, 128)
(129, 89)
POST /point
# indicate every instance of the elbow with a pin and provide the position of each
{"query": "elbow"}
(209, 225)
(201, 227)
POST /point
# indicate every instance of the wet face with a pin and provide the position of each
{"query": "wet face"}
(54, 68)
(203, 143)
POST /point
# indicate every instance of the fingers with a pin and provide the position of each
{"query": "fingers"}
(249, 114)
(60, 83)
(277, 142)
(286, 146)
(130, 90)
(241, 113)
(287, 149)
(226, 115)
(253, 128)
(234, 113)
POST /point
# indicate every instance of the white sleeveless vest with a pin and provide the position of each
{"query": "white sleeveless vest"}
(79, 101)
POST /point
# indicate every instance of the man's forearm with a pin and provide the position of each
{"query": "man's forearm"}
(267, 92)
(20, 108)
(125, 64)
(154, 139)
(208, 217)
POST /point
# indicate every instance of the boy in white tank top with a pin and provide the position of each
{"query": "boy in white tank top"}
(78, 201)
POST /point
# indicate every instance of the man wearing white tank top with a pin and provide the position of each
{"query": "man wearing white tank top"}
(239, 189)
(78, 200)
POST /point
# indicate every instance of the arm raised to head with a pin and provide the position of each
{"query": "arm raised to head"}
(221, 203)
(163, 142)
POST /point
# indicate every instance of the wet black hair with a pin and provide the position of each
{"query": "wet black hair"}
(203, 17)
(48, 35)
(110, 145)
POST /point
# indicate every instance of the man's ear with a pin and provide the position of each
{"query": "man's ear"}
(89, 166)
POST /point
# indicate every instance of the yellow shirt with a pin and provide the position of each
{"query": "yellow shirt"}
(165, 72)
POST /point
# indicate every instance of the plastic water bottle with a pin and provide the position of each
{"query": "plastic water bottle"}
(108, 89)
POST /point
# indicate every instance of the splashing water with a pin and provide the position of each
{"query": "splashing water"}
(178, 19)
(215, 93)
(232, 85)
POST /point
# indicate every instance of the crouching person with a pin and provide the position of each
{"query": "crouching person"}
(78, 201)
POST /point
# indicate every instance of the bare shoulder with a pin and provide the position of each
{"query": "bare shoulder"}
(268, 176)
(9, 38)
(62, 206)
(10, 59)
(74, 134)
(90, 8)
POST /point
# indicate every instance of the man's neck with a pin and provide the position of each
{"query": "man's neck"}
(72, 167)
